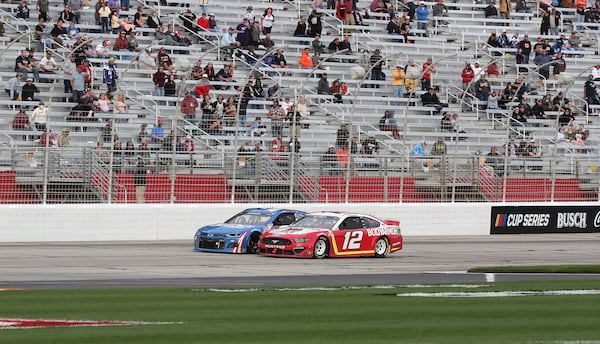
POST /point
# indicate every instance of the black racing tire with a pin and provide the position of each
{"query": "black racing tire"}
(382, 248)
(253, 242)
(321, 249)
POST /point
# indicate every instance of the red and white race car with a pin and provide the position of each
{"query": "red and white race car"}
(333, 234)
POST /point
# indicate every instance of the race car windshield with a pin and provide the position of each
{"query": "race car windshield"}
(249, 219)
(317, 222)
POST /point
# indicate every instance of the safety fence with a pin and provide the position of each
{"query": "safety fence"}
(63, 175)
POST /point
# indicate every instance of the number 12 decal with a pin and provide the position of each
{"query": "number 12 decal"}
(352, 240)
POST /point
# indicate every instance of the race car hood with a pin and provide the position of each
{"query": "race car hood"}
(294, 231)
(225, 228)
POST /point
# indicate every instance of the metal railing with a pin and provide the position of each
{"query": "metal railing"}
(57, 175)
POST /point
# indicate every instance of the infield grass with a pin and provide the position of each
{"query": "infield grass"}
(370, 315)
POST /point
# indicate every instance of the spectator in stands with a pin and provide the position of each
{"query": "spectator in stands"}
(48, 139)
(376, 63)
(277, 115)
(202, 87)
(121, 42)
(153, 21)
(494, 43)
(518, 117)
(243, 32)
(538, 110)
(446, 122)
(590, 93)
(104, 13)
(482, 88)
(413, 73)
(102, 49)
(64, 140)
(171, 86)
(132, 42)
(398, 88)
(560, 101)
(138, 18)
(267, 42)
(215, 127)
(334, 46)
(127, 25)
(492, 70)
(494, 160)
(503, 40)
(39, 116)
(115, 22)
(439, 147)
(369, 146)
(188, 107)
(120, 105)
(198, 70)
(21, 121)
(343, 156)
(420, 149)
(559, 66)
(24, 65)
(301, 27)
(342, 135)
(165, 61)
(146, 60)
(229, 41)
(431, 99)
(108, 132)
(427, 69)
(522, 6)
(103, 103)
(157, 134)
(543, 61)
(30, 91)
(22, 11)
(43, 9)
(525, 46)
(490, 11)
(305, 60)
(566, 118)
(78, 82)
(110, 76)
(139, 178)
(66, 15)
(159, 78)
(209, 70)
(317, 45)
(315, 26)
(422, 17)
(13, 86)
(256, 128)
(69, 67)
(346, 45)
(493, 100)
(505, 8)
(266, 21)
(323, 85)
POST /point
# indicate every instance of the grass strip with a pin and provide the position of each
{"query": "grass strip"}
(550, 269)
(312, 316)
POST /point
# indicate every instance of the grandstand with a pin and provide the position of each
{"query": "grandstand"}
(32, 171)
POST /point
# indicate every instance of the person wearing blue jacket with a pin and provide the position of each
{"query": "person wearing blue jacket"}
(110, 76)
(422, 16)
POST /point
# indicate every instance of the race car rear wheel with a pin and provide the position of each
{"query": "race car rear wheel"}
(321, 248)
(382, 248)
(253, 243)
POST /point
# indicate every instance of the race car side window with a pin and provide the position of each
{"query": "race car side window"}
(284, 219)
(351, 223)
(370, 223)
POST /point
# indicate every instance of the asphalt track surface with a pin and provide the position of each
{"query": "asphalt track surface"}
(175, 264)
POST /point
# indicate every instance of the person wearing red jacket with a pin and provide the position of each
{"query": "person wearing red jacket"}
(203, 22)
(467, 76)
(344, 11)
(188, 106)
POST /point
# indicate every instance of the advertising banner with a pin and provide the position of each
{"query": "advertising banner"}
(545, 219)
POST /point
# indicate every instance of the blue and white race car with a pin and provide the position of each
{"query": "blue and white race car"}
(241, 233)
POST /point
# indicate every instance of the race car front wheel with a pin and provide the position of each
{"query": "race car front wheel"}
(321, 248)
(253, 243)
(382, 248)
